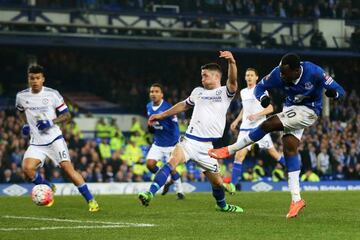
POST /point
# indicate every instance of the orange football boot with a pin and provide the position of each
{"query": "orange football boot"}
(219, 153)
(295, 208)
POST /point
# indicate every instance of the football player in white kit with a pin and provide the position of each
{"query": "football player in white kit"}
(42, 109)
(207, 124)
(251, 115)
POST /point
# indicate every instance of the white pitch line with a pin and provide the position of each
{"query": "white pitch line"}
(79, 221)
(60, 227)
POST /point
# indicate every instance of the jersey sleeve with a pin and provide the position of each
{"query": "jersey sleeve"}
(18, 104)
(60, 105)
(191, 99)
(229, 94)
(329, 83)
(271, 80)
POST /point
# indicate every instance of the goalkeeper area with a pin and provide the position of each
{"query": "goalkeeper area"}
(328, 215)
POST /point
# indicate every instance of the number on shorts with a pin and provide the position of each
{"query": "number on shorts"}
(62, 154)
(290, 113)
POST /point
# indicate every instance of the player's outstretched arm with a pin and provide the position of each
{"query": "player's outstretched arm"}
(177, 108)
(231, 82)
(333, 89)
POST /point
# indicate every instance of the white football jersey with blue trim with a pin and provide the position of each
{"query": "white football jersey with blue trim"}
(41, 106)
(209, 115)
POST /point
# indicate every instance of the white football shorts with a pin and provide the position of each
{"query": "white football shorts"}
(159, 153)
(57, 152)
(296, 118)
(198, 152)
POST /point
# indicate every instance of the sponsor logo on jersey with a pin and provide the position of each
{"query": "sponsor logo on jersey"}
(38, 108)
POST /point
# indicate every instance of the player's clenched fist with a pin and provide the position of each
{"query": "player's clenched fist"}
(227, 55)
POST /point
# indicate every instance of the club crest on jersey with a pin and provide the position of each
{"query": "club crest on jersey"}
(45, 101)
(308, 85)
(218, 92)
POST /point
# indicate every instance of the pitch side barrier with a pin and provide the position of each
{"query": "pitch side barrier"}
(134, 188)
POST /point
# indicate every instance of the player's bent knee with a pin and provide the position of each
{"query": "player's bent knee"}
(151, 164)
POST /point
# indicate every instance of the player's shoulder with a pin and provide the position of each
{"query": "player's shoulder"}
(165, 104)
(52, 91)
(310, 66)
(149, 105)
(198, 89)
(23, 92)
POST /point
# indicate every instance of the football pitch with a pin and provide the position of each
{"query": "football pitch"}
(328, 215)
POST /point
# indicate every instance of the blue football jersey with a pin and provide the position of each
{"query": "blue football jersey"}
(167, 130)
(306, 91)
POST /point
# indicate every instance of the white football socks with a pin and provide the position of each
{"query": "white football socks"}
(240, 144)
(294, 185)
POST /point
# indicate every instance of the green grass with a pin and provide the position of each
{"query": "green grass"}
(329, 215)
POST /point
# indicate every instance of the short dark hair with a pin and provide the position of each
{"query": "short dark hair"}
(158, 85)
(36, 68)
(254, 70)
(212, 66)
(291, 59)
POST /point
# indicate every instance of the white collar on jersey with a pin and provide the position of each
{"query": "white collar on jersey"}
(156, 107)
(41, 91)
(298, 80)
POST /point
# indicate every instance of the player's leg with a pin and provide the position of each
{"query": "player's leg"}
(267, 143)
(33, 158)
(291, 144)
(153, 156)
(151, 165)
(59, 154)
(236, 170)
(176, 158)
(219, 193)
(276, 155)
(269, 125)
(79, 182)
(175, 178)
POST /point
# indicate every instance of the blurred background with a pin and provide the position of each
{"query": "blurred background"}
(103, 56)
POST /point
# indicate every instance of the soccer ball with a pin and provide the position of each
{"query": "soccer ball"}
(42, 195)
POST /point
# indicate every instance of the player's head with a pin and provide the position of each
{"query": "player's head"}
(36, 77)
(251, 76)
(211, 75)
(156, 93)
(290, 68)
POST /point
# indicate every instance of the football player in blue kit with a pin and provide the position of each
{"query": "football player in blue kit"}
(166, 136)
(303, 83)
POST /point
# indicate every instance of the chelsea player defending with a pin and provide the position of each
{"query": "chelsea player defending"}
(303, 82)
(166, 136)
(207, 124)
(43, 109)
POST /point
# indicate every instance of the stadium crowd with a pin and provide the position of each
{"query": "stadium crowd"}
(348, 9)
